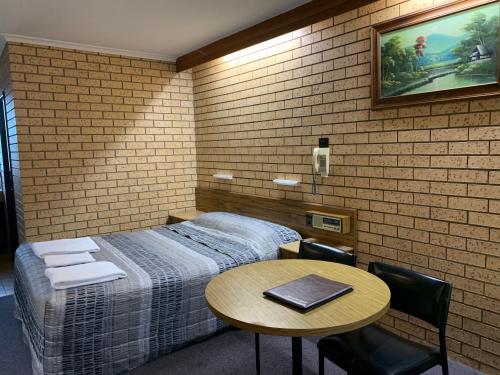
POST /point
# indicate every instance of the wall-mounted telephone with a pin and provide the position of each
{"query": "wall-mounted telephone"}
(321, 161)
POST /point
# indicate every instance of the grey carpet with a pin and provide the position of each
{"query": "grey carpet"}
(228, 353)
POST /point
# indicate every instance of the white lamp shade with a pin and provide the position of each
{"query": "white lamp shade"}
(284, 182)
(226, 177)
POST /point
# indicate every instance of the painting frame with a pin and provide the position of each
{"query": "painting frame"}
(380, 102)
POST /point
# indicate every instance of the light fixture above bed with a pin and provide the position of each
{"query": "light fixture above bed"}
(226, 177)
(285, 182)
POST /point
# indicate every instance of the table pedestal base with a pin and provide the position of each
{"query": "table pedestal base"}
(297, 355)
(257, 354)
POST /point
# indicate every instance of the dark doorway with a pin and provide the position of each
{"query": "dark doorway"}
(8, 222)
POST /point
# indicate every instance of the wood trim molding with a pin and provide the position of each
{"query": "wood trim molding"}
(15, 38)
(301, 16)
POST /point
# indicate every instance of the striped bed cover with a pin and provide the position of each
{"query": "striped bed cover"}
(113, 327)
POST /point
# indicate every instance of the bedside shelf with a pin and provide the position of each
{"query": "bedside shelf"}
(177, 217)
(289, 250)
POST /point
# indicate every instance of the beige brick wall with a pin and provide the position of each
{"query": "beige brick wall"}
(105, 143)
(425, 179)
(102, 143)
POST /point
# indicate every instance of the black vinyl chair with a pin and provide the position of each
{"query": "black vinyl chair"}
(317, 251)
(374, 350)
(313, 251)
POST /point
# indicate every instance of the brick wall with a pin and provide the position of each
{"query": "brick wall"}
(105, 143)
(425, 179)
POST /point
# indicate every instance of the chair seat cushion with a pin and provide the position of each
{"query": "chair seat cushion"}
(374, 350)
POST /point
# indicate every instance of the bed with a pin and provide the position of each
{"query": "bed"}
(113, 327)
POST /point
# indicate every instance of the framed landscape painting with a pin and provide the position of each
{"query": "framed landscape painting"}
(449, 52)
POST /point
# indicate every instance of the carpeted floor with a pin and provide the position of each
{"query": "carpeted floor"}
(225, 354)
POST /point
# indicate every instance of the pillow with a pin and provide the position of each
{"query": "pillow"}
(263, 234)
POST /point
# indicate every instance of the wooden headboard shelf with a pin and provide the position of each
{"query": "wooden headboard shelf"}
(281, 211)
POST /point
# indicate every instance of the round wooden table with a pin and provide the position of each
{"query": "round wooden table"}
(236, 297)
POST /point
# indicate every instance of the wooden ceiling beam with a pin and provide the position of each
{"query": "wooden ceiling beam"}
(301, 16)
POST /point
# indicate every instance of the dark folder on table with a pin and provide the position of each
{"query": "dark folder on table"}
(308, 292)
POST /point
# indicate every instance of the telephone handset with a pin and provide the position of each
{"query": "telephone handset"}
(321, 158)
(321, 161)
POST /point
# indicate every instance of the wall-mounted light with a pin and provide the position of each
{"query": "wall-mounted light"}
(226, 177)
(284, 182)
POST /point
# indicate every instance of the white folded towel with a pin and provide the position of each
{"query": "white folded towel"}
(62, 260)
(66, 246)
(83, 274)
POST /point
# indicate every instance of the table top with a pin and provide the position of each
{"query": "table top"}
(236, 297)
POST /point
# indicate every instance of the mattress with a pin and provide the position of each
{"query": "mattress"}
(113, 327)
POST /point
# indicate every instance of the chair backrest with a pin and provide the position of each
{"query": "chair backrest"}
(422, 296)
(316, 251)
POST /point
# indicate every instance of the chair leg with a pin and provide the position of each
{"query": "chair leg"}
(321, 364)
(257, 353)
(444, 366)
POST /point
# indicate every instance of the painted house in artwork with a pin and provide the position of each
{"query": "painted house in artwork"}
(480, 52)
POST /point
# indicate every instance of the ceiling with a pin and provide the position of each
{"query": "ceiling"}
(164, 29)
